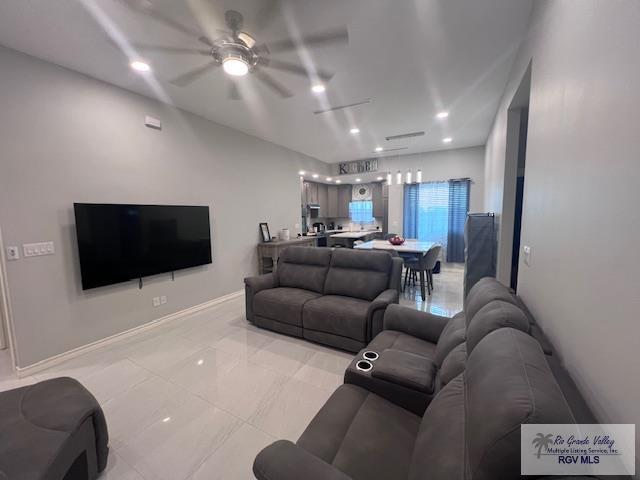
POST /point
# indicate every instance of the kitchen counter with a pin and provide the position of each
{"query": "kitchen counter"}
(354, 235)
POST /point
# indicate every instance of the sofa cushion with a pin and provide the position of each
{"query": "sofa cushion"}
(453, 364)
(304, 267)
(282, 304)
(486, 290)
(339, 315)
(494, 315)
(358, 274)
(362, 435)
(402, 341)
(472, 425)
(454, 334)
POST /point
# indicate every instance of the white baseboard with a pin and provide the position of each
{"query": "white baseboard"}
(62, 357)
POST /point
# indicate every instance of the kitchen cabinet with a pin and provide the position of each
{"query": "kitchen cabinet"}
(376, 198)
(322, 199)
(332, 201)
(344, 198)
(310, 192)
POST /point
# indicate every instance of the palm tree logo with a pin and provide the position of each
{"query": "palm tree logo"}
(542, 441)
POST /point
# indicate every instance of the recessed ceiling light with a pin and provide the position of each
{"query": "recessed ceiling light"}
(338, 181)
(379, 179)
(200, 362)
(140, 66)
(319, 88)
(235, 65)
(442, 115)
(329, 179)
(354, 131)
(358, 179)
(315, 175)
(301, 172)
(379, 149)
(166, 419)
(447, 140)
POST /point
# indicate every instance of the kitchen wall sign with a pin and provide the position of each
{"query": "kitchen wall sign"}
(358, 166)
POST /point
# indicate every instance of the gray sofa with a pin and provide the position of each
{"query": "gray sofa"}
(332, 296)
(359, 435)
(52, 430)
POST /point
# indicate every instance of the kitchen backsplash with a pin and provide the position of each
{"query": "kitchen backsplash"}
(348, 225)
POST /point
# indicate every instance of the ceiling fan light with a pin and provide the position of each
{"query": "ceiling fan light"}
(235, 65)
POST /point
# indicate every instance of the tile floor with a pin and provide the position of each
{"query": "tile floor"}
(199, 397)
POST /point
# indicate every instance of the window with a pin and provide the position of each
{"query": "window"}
(361, 211)
(436, 212)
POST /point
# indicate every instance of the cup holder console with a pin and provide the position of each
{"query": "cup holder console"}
(364, 365)
(370, 355)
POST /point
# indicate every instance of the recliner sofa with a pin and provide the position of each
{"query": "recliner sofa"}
(332, 296)
(469, 431)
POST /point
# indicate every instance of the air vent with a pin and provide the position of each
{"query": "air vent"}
(342, 107)
(405, 135)
(392, 150)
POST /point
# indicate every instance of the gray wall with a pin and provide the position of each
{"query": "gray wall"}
(581, 215)
(442, 165)
(68, 138)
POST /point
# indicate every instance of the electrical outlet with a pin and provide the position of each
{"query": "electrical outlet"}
(163, 299)
(156, 301)
(13, 253)
(527, 255)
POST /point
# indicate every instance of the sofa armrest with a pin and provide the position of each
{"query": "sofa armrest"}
(261, 282)
(375, 312)
(253, 285)
(283, 460)
(413, 322)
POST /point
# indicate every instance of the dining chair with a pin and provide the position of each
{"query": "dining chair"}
(424, 266)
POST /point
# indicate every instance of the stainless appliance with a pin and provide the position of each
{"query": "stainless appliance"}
(319, 227)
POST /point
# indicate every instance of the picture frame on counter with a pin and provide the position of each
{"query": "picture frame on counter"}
(264, 232)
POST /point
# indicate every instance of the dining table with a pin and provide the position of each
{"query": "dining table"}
(409, 247)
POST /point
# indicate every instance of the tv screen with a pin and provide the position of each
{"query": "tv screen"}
(123, 242)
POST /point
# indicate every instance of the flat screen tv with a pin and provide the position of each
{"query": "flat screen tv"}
(124, 242)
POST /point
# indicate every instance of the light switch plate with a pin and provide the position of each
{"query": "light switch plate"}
(156, 301)
(38, 249)
(163, 299)
(13, 253)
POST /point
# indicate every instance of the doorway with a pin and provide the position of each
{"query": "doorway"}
(7, 354)
(517, 220)
(514, 183)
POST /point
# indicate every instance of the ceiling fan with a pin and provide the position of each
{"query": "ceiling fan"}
(238, 52)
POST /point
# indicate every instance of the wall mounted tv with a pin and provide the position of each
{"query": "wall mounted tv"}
(124, 242)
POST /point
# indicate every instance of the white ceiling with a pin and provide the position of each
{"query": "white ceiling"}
(413, 58)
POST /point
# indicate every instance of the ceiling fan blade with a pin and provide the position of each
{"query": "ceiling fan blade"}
(266, 14)
(147, 8)
(297, 69)
(160, 48)
(234, 93)
(328, 37)
(272, 83)
(192, 75)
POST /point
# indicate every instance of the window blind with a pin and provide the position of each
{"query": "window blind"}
(361, 211)
(436, 212)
